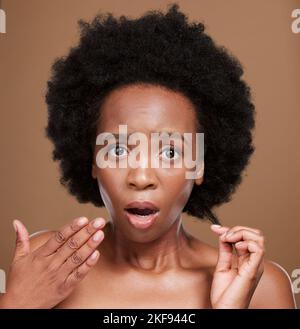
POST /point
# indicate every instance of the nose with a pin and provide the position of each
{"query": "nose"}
(142, 175)
(141, 178)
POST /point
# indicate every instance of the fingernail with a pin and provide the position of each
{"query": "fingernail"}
(98, 222)
(216, 226)
(97, 236)
(82, 220)
(94, 255)
(15, 226)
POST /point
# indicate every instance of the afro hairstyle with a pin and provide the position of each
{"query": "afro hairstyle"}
(158, 49)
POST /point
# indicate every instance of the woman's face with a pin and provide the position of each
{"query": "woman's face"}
(145, 109)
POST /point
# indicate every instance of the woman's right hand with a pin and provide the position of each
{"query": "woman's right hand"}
(46, 276)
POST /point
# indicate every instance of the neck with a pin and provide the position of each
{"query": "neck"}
(156, 256)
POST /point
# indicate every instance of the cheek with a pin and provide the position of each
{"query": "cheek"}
(109, 187)
(178, 190)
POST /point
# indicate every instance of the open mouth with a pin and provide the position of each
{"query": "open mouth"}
(142, 217)
(141, 212)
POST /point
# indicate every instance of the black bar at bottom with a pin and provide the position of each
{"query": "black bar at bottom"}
(106, 318)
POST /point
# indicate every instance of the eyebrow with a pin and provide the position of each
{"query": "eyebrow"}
(117, 136)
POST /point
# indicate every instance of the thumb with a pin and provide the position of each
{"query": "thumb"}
(22, 239)
(225, 256)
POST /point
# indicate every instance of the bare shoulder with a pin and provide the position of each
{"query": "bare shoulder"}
(39, 238)
(274, 289)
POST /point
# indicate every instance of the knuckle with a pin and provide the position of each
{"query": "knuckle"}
(59, 237)
(76, 258)
(78, 275)
(74, 227)
(62, 288)
(73, 243)
(89, 230)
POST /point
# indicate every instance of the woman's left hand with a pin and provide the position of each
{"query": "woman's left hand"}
(235, 278)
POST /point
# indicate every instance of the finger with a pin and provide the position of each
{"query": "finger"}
(81, 271)
(225, 256)
(233, 235)
(243, 234)
(242, 252)
(60, 236)
(219, 229)
(238, 228)
(79, 256)
(78, 240)
(249, 273)
(256, 253)
(22, 247)
(241, 248)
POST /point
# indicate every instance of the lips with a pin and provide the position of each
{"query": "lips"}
(141, 214)
(142, 208)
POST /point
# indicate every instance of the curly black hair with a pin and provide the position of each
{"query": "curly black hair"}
(158, 49)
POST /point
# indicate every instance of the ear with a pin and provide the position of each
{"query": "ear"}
(199, 174)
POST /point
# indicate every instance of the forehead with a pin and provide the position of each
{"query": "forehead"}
(147, 108)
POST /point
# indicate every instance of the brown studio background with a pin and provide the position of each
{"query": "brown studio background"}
(257, 32)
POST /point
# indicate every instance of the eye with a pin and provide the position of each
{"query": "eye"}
(170, 153)
(117, 150)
